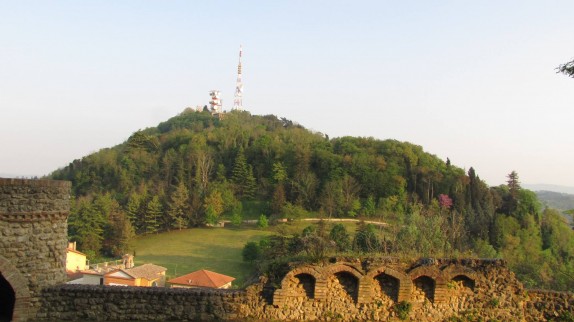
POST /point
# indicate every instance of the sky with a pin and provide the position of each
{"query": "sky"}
(474, 81)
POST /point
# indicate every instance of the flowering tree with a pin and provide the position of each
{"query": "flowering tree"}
(444, 201)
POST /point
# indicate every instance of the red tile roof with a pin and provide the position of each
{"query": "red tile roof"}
(202, 278)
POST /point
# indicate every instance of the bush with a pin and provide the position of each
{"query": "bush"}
(251, 252)
(262, 222)
(403, 309)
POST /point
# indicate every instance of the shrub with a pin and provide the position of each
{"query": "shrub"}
(262, 222)
(403, 309)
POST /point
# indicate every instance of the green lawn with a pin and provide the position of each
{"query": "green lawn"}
(188, 250)
(214, 249)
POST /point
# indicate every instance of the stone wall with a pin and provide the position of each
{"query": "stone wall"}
(549, 305)
(468, 290)
(33, 238)
(115, 303)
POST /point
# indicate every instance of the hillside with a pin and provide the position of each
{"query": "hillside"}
(556, 200)
(195, 169)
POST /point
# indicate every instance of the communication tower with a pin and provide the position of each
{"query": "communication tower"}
(215, 102)
(238, 99)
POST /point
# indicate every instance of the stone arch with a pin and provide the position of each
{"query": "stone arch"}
(434, 289)
(424, 288)
(306, 277)
(307, 283)
(348, 277)
(400, 292)
(337, 268)
(17, 286)
(430, 271)
(464, 281)
(451, 272)
(308, 270)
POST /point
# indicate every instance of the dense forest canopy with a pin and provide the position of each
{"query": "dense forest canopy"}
(195, 169)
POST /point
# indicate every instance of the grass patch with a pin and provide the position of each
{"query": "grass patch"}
(188, 250)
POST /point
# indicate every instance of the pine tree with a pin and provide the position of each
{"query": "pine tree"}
(152, 215)
(242, 177)
(133, 208)
(513, 184)
(178, 207)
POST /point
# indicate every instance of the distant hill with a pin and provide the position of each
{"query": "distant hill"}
(549, 187)
(556, 200)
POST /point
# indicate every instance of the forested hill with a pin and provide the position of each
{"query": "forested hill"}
(195, 168)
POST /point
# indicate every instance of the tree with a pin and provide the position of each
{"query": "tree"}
(211, 216)
(133, 210)
(369, 206)
(215, 201)
(152, 215)
(366, 239)
(121, 234)
(86, 225)
(341, 237)
(279, 200)
(513, 184)
(251, 252)
(262, 222)
(242, 176)
(236, 219)
(331, 197)
(203, 168)
(566, 69)
(178, 207)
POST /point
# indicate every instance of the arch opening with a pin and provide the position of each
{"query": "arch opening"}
(424, 288)
(306, 282)
(463, 282)
(349, 283)
(389, 286)
(7, 300)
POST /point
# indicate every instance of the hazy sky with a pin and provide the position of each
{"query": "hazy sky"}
(472, 81)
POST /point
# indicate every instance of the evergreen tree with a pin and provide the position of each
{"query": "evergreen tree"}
(341, 237)
(178, 207)
(133, 209)
(242, 176)
(152, 215)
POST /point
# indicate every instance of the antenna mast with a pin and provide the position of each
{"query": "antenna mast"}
(238, 99)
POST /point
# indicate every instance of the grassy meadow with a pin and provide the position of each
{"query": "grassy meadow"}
(187, 250)
(215, 249)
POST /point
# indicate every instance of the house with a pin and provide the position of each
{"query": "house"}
(145, 275)
(94, 274)
(202, 278)
(75, 260)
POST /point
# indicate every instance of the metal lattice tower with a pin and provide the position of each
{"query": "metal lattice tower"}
(238, 99)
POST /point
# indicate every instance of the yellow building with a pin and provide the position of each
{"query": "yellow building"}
(75, 260)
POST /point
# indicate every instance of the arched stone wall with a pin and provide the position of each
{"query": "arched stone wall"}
(439, 293)
(20, 286)
(405, 284)
(424, 288)
(307, 283)
(289, 285)
(454, 270)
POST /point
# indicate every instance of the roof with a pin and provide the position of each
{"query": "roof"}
(202, 278)
(147, 271)
(75, 251)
